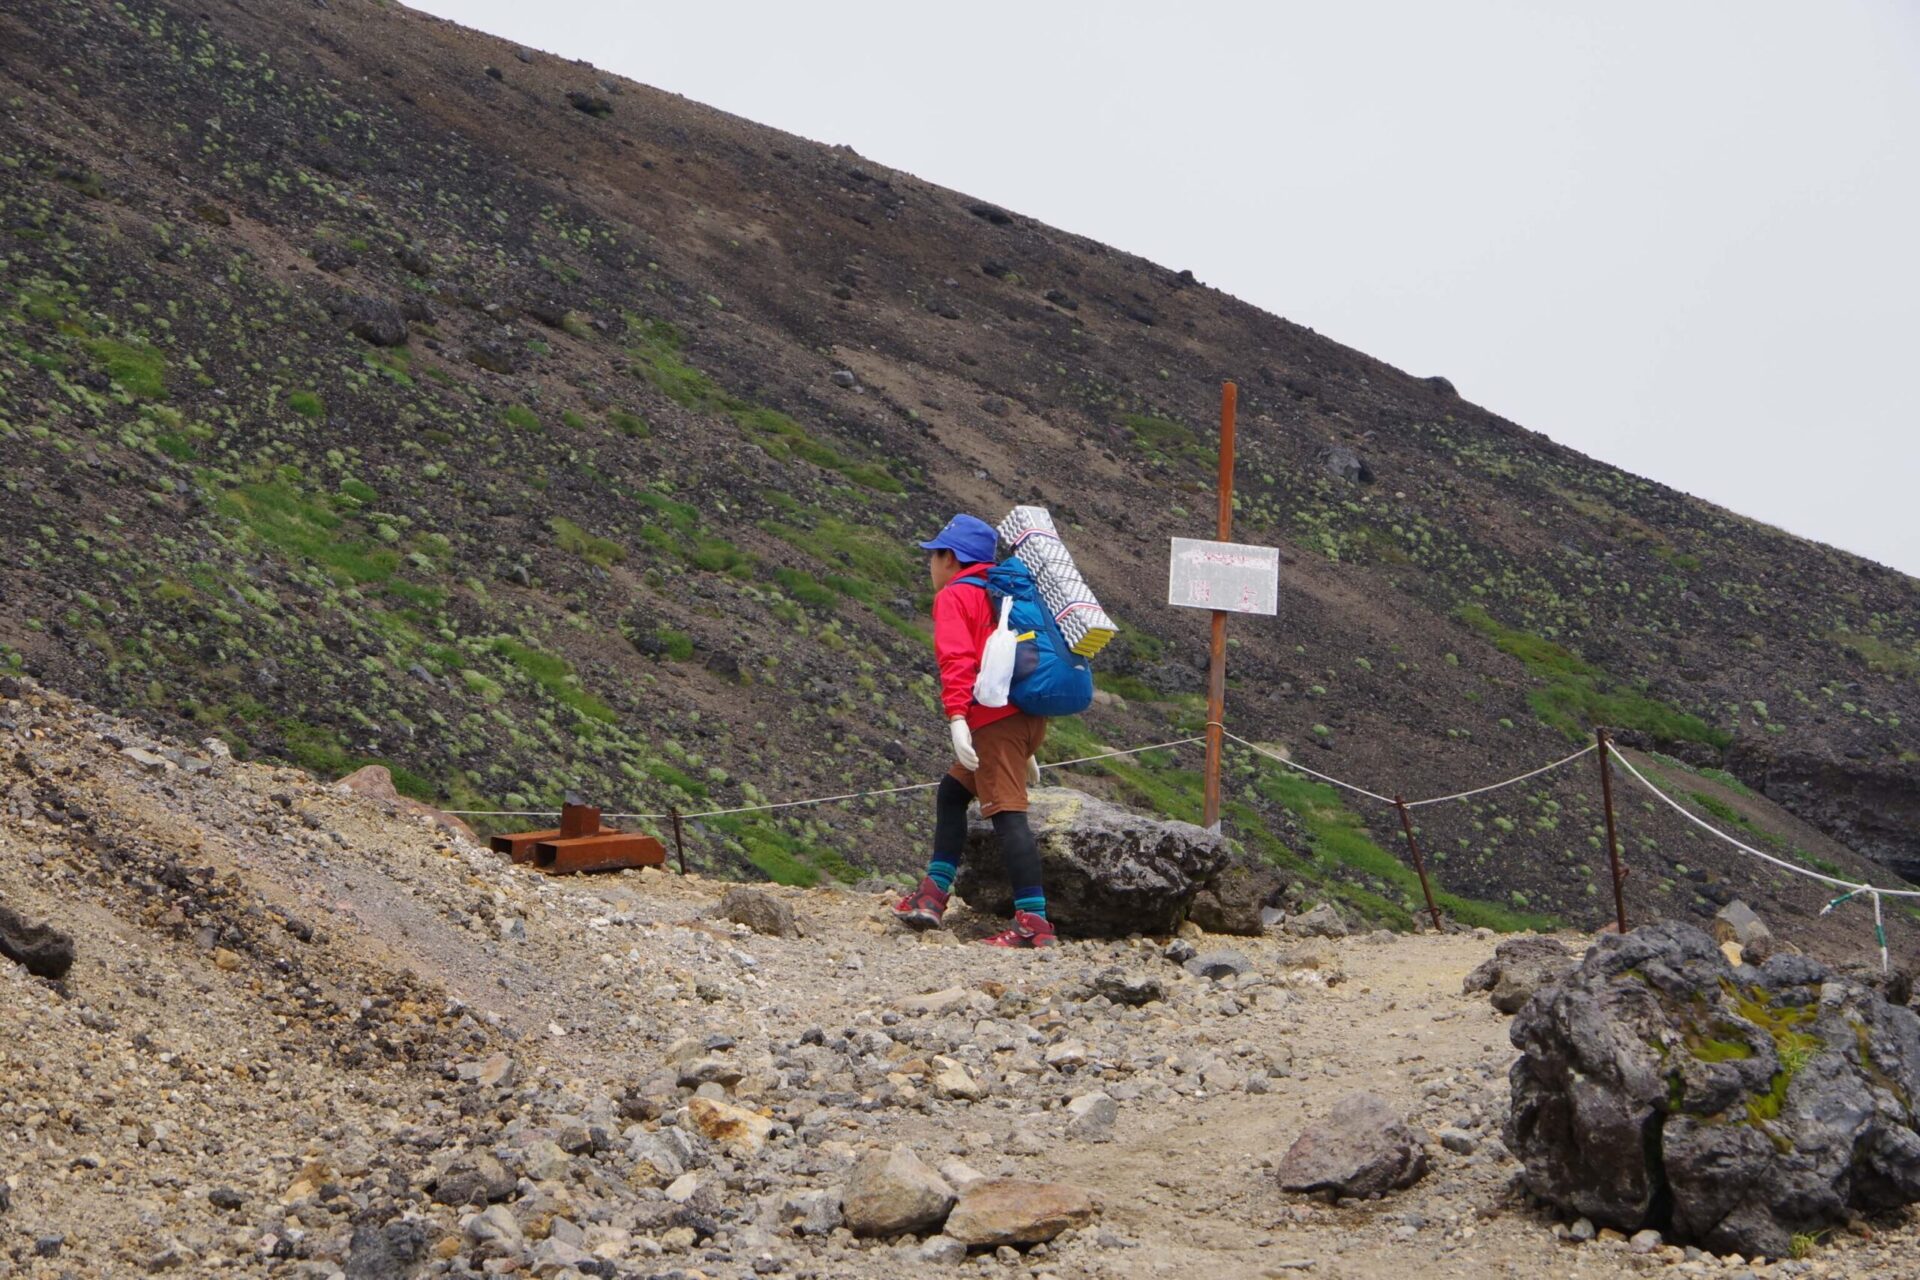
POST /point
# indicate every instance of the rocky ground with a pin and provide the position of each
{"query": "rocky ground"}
(306, 1036)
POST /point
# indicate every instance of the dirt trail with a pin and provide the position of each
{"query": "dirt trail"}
(1199, 1179)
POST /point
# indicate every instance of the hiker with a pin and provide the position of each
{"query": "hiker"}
(993, 747)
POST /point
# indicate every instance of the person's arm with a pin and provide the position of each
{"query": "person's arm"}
(957, 611)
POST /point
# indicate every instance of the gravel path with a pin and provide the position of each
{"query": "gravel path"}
(297, 1020)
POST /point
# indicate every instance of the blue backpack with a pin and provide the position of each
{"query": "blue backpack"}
(1049, 679)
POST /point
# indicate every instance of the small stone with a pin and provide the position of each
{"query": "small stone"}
(953, 1080)
(760, 912)
(698, 1071)
(1011, 1211)
(1518, 968)
(45, 951)
(376, 1252)
(941, 1250)
(544, 1161)
(844, 378)
(497, 1228)
(741, 1131)
(960, 1175)
(1362, 1149)
(893, 1192)
(474, 1177)
(812, 1213)
(493, 1072)
(1644, 1241)
(1123, 988)
(147, 760)
(1093, 1118)
(1581, 1231)
(1321, 922)
(1218, 964)
(1068, 1055)
(557, 1258)
(1458, 1141)
(935, 1002)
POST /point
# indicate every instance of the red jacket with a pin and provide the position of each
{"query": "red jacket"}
(962, 621)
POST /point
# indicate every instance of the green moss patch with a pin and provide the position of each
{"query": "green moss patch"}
(302, 527)
(655, 348)
(570, 537)
(1341, 837)
(555, 675)
(1577, 695)
(140, 370)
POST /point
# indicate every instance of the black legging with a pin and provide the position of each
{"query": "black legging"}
(1017, 848)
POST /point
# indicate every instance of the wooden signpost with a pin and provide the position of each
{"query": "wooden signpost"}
(1222, 577)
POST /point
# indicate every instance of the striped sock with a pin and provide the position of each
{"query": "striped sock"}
(1032, 900)
(942, 872)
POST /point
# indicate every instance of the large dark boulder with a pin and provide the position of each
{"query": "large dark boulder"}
(1232, 901)
(1110, 872)
(374, 320)
(1518, 968)
(1659, 1086)
(45, 951)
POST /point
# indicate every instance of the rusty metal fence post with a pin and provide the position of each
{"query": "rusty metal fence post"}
(679, 848)
(1419, 864)
(1613, 838)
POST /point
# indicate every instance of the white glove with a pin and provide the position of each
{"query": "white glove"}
(1033, 772)
(963, 743)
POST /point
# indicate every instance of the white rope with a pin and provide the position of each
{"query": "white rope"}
(794, 804)
(1131, 751)
(1257, 749)
(1784, 865)
(786, 804)
(503, 813)
(1545, 768)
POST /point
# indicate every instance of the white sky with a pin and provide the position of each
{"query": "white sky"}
(1681, 237)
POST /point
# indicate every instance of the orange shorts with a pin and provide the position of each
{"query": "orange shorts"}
(1000, 783)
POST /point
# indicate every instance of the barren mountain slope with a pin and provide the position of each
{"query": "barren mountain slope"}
(374, 390)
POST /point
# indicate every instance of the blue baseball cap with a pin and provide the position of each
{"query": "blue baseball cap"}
(971, 539)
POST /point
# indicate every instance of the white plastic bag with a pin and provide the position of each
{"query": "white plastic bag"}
(990, 687)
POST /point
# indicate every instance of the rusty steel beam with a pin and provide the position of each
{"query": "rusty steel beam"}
(607, 851)
(519, 845)
(579, 820)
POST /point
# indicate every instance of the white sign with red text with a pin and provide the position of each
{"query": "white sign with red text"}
(1227, 576)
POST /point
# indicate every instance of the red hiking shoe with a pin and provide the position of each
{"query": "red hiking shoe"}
(1028, 930)
(922, 908)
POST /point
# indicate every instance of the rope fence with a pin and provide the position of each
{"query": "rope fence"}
(1852, 890)
(1602, 744)
(795, 804)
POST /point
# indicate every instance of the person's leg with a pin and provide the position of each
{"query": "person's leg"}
(926, 905)
(1001, 782)
(1022, 856)
(949, 831)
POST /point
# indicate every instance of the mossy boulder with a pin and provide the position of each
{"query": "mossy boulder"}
(1110, 871)
(1733, 1107)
